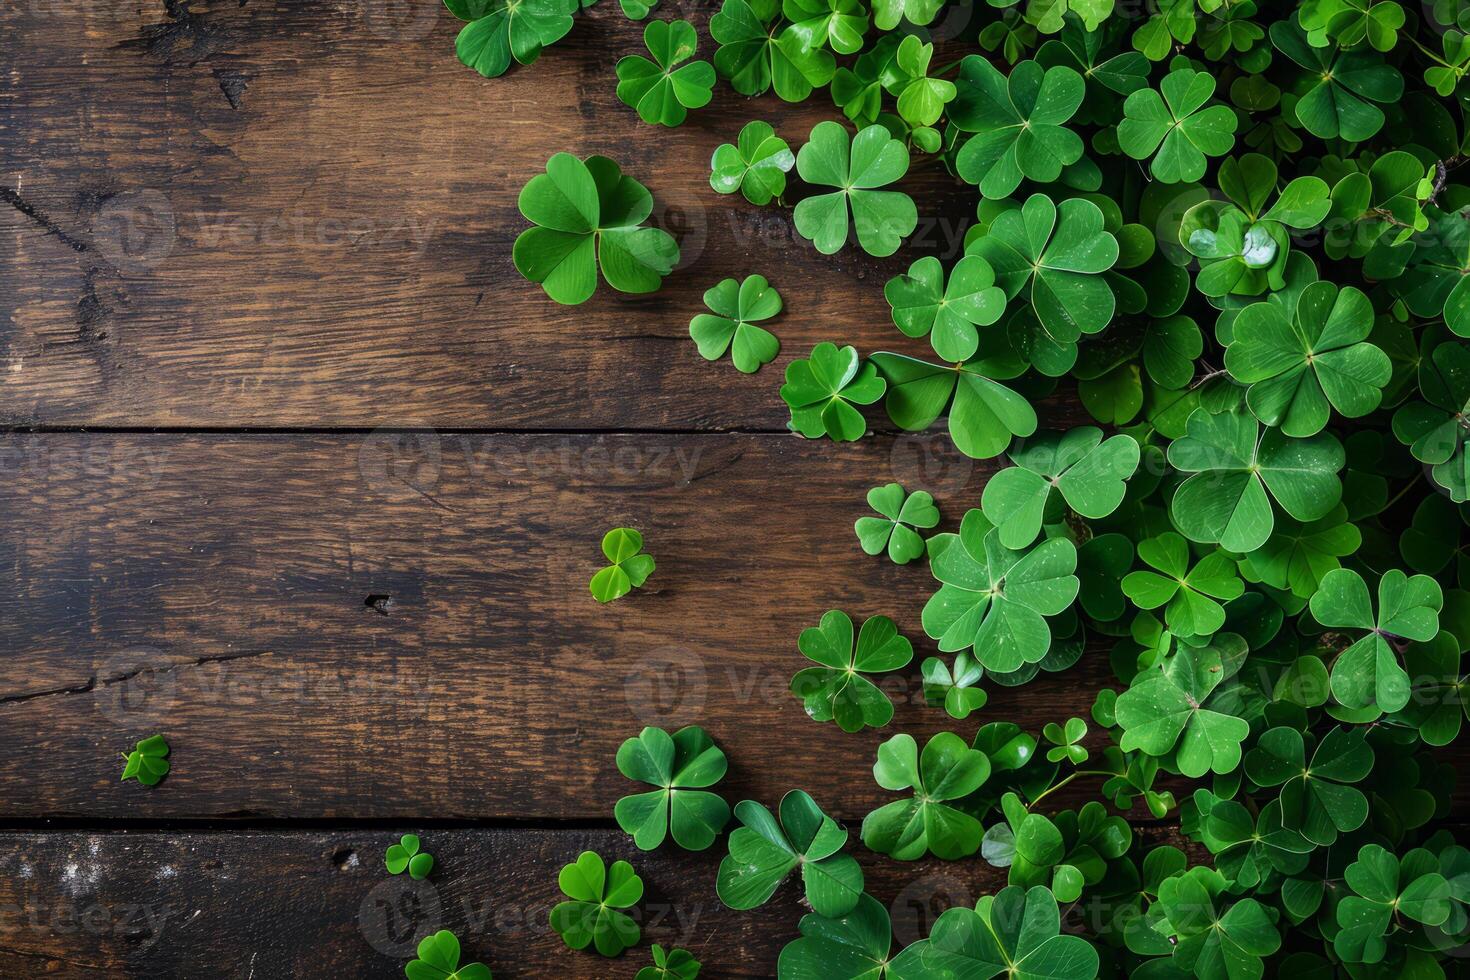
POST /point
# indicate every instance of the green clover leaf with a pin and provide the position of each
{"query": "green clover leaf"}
(1102, 561)
(1368, 673)
(678, 964)
(954, 689)
(1190, 593)
(682, 766)
(406, 856)
(1169, 708)
(1434, 429)
(947, 770)
(438, 959)
(1317, 798)
(1248, 850)
(853, 946)
(1351, 22)
(822, 390)
(763, 853)
(1440, 704)
(147, 762)
(1017, 122)
(500, 30)
(1385, 888)
(1212, 940)
(836, 690)
(858, 90)
(629, 569)
(895, 531)
(920, 13)
(1016, 934)
(1090, 474)
(1065, 740)
(924, 304)
(588, 214)
(662, 93)
(982, 414)
(731, 323)
(1342, 86)
(1175, 127)
(756, 164)
(921, 99)
(757, 55)
(836, 24)
(870, 160)
(1297, 556)
(597, 893)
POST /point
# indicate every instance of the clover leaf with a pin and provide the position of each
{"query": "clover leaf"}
(947, 770)
(731, 323)
(630, 568)
(1017, 934)
(147, 762)
(887, 13)
(853, 946)
(1434, 429)
(1297, 556)
(1065, 741)
(857, 168)
(836, 24)
(981, 413)
(1368, 672)
(1018, 124)
(587, 214)
(682, 766)
(1190, 593)
(836, 690)
(1087, 472)
(954, 689)
(1351, 22)
(896, 530)
(1297, 365)
(1342, 86)
(821, 391)
(597, 894)
(923, 303)
(1249, 849)
(1440, 703)
(1317, 798)
(1385, 889)
(1175, 126)
(921, 99)
(1234, 465)
(499, 30)
(1210, 938)
(662, 93)
(406, 856)
(1169, 708)
(756, 54)
(764, 852)
(678, 964)
(756, 164)
(438, 959)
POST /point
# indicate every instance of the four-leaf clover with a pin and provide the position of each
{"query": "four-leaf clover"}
(895, 530)
(837, 691)
(597, 894)
(682, 766)
(763, 852)
(857, 168)
(731, 323)
(662, 93)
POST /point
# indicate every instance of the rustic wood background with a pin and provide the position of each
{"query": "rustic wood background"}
(298, 471)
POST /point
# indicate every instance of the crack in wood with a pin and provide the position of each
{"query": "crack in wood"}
(41, 219)
(93, 682)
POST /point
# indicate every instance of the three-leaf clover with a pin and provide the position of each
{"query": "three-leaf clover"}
(1175, 127)
(663, 93)
(947, 770)
(982, 414)
(499, 30)
(887, 13)
(923, 303)
(1065, 740)
(895, 531)
(1211, 941)
(921, 99)
(1383, 889)
(821, 391)
(682, 766)
(756, 54)
(596, 894)
(1086, 471)
(1189, 594)
(857, 168)
(853, 946)
(731, 323)
(1017, 122)
(1016, 934)
(1317, 798)
(406, 856)
(836, 24)
(1435, 429)
(1342, 86)
(629, 569)
(1369, 672)
(764, 852)
(438, 959)
(1168, 708)
(954, 688)
(148, 762)
(836, 690)
(588, 214)
(678, 964)
(756, 164)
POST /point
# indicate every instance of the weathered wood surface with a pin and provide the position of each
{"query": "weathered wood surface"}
(300, 214)
(319, 904)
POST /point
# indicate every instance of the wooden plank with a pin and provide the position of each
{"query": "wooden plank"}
(299, 904)
(284, 214)
(319, 638)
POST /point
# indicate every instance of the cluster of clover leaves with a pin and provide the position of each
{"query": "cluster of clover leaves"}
(1237, 232)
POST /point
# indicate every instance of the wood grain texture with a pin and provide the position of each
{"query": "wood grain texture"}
(319, 904)
(301, 214)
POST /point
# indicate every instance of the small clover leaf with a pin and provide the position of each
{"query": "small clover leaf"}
(1018, 124)
(821, 391)
(756, 54)
(1211, 939)
(923, 303)
(954, 689)
(629, 569)
(1297, 556)
(1317, 798)
(438, 959)
(1368, 673)
(1078, 465)
(1190, 593)
(947, 770)
(836, 24)
(731, 323)
(870, 160)
(756, 164)
(499, 30)
(896, 530)
(1351, 22)
(921, 99)
(852, 946)
(1385, 888)
(662, 93)
(982, 414)
(837, 690)
(148, 762)
(1066, 739)
(1341, 86)
(597, 893)
(682, 766)
(920, 13)
(1175, 127)
(678, 964)
(406, 856)
(1017, 934)
(1441, 701)
(1168, 708)
(764, 852)
(1434, 429)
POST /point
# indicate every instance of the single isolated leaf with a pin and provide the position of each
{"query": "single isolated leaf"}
(147, 762)
(822, 390)
(756, 164)
(438, 959)
(630, 568)
(735, 308)
(857, 167)
(897, 530)
(837, 690)
(664, 90)
(682, 767)
(1017, 122)
(764, 852)
(597, 894)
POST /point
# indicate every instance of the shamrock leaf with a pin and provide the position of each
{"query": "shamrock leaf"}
(1234, 465)
(755, 165)
(637, 9)
(837, 690)
(954, 690)
(822, 390)
(1212, 940)
(983, 414)
(629, 569)
(406, 856)
(1066, 739)
(763, 852)
(921, 99)
(681, 766)
(1383, 890)
(678, 964)
(872, 159)
(1351, 22)
(1298, 365)
(499, 30)
(887, 13)
(756, 54)
(1341, 86)
(1169, 706)
(1440, 702)
(1102, 561)
(1016, 934)
(838, 24)
(587, 214)
(1368, 672)
(1317, 799)
(1174, 126)
(948, 313)
(1056, 254)
(947, 770)
(597, 893)
(1246, 849)
(895, 530)
(1434, 429)
(730, 324)
(148, 762)
(438, 959)
(1086, 471)
(852, 946)
(858, 90)
(994, 599)
(662, 93)
(1017, 122)
(1190, 593)
(1297, 556)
